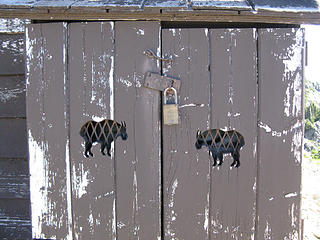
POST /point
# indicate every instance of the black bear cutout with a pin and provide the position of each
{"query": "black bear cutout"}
(220, 142)
(103, 132)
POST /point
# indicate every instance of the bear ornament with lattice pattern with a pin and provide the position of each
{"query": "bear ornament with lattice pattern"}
(220, 142)
(103, 132)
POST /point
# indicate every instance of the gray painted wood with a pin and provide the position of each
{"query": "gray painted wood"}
(47, 130)
(91, 66)
(138, 159)
(13, 138)
(234, 106)
(11, 53)
(15, 219)
(186, 171)
(14, 178)
(12, 96)
(280, 132)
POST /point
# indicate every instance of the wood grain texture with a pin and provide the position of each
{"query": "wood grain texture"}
(15, 219)
(47, 129)
(12, 96)
(91, 66)
(11, 53)
(234, 106)
(186, 171)
(13, 138)
(138, 159)
(280, 132)
(14, 179)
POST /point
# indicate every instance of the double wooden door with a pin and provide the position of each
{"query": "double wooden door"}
(156, 184)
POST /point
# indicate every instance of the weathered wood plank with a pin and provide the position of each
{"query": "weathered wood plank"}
(11, 54)
(47, 130)
(233, 106)
(280, 133)
(14, 178)
(186, 171)
(138, 159)
(14, 25)
(91, 66)
(12, 96)
(13, 138)
(15, 219)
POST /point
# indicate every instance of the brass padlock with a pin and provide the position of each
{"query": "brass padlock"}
(170, 106)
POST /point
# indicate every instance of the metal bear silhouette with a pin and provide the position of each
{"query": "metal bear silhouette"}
(103, 132)
(220, 142)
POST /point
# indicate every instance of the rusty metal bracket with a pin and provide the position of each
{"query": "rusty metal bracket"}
(158, 82)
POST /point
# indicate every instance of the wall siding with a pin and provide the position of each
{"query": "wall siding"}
(13, 96)
(14, 172)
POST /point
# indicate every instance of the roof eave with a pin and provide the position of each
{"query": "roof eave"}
(160, 14)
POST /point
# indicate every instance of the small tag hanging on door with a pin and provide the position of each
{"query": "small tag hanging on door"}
(170, 106)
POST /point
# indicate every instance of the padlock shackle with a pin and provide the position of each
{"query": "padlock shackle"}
(175, 95)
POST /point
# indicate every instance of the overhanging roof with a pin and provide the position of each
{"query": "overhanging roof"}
(262, 11)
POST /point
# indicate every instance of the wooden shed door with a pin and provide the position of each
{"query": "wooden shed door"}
(156, 185)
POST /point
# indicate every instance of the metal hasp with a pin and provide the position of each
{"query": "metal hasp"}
(158, 82)
(220, 142)
(170, 106)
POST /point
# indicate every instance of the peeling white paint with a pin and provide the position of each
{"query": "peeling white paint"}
(264, 126)
(96, 118)
(254, 187)
(274, 133)
(267, 232)
(296, 142)
(192, 105)
(114, 220)
(69, 193)
(120, 225)
(140, 32)
(173, 31)
(172, 216)
(91, 221)
(125, 82)
(29, 54)
(290, 195)
(38, 184)
(7, 95)
(82, 182)
(206, 31)
(14, 25)
(14, 46)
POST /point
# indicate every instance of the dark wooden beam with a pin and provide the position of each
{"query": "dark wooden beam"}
(99, 13)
